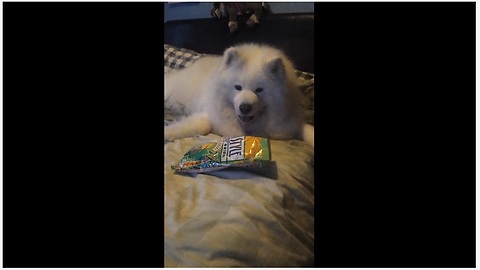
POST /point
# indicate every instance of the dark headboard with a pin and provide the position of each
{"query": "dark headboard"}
(293, 33)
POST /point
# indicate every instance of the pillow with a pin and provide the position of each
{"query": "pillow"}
(179, 58)
(306, 86)
(176, 58)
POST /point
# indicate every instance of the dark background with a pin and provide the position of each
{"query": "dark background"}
(396, 109)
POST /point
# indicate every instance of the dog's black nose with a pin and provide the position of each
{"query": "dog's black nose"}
(245, 108)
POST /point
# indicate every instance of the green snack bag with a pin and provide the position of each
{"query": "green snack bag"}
(247, 152)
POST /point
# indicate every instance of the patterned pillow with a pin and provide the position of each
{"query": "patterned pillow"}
(176, 58)
(179, 58)
(307, 87)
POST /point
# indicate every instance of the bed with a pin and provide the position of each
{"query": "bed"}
(238, 218)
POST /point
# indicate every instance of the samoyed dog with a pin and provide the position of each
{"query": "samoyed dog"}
(250, 90)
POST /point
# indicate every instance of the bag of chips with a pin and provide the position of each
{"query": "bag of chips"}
(248, 152)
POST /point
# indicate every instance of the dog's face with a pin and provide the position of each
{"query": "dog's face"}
(248, 103)
(253, 86)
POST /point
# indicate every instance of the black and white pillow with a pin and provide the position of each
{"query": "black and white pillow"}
(179, 58)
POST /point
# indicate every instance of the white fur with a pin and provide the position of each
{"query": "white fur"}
(206, 92)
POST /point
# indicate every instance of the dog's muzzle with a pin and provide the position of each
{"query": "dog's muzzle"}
(245, 109)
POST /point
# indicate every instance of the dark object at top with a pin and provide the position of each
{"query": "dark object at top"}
(291, 32)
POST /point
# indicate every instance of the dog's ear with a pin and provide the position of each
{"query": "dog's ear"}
(231, 57)
(276, 67)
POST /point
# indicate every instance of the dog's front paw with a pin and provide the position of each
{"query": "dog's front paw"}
(169, 135)
(308, 134)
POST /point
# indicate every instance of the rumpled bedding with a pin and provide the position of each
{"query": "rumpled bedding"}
(238, 218)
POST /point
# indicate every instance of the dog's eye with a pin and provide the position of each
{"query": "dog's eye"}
(258, 90)
(238, 87)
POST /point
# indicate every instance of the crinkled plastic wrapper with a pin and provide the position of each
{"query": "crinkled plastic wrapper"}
(244, 152)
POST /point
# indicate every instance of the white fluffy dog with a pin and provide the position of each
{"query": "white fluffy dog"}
(250, 90)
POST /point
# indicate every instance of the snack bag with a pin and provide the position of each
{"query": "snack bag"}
(247, 152)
